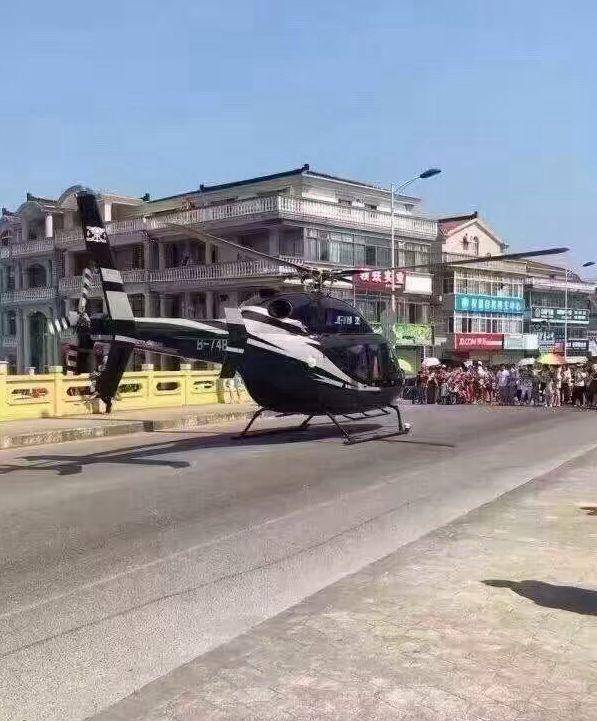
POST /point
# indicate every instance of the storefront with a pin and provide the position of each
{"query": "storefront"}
(409, 340)
(476, 346)
(520, 345)
(412, 334)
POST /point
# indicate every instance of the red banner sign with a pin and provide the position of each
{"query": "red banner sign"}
(379, 281)
(478, 341)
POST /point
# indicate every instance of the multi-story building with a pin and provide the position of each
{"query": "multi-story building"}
(301, 214)
(553, 294)
(480, 308)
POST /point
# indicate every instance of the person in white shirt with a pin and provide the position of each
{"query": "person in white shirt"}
(503, 379)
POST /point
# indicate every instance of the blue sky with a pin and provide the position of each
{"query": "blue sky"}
(158, 97)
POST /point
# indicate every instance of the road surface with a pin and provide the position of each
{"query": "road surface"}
(122, 559)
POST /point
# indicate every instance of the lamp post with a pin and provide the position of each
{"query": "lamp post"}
(588, 264)
(429, 173)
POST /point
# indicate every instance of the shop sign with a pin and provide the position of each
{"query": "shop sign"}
(521, 341)
(478, 341)
(549, 341)
(488, 304)
(379, 281)
(578, 344)
(417, 284)
(412, 334)
(579, 316)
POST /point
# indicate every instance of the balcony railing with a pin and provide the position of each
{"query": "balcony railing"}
(28, 295)
(73, 284)
(234, 269)
(560, 285)
(32, 247)
(498, 266)
(279, 205)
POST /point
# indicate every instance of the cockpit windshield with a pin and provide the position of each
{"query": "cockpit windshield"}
(367, 361)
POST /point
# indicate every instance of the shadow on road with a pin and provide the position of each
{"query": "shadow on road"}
(565, 598)
(148, 455)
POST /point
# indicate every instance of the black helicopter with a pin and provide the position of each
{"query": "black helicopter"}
(298, 352)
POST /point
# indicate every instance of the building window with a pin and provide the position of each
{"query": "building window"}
(137, 259)
(11, 323)
(36, 275)
(291, 242)
(345, 202)
(137, 304)
(370, 256)
(324, 249)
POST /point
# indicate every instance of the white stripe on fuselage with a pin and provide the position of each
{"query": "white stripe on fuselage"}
(183, 323)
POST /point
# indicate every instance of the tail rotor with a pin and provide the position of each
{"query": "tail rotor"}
(78, 358)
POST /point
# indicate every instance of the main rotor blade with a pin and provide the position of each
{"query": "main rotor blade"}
(208, 237)
(464, 261)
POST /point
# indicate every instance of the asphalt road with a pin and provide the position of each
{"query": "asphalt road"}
(121, 559)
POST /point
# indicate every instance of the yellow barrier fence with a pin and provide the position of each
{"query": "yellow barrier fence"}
(55, 395)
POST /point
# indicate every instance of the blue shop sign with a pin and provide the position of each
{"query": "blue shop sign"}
(488, 304)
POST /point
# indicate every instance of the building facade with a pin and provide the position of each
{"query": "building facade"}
(299, 214)
(480, 308)
(558, 307)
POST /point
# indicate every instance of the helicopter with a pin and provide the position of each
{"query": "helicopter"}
(298, 352)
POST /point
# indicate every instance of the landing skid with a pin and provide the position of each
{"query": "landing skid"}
(403, 428)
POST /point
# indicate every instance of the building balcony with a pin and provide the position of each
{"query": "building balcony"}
(274, 206)
(560, 285)
(73, 284)
(30, 248)
(28, 295)
(184, 275)
(496, 266)
(217, 271)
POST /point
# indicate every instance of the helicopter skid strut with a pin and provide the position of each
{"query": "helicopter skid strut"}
(402, 429)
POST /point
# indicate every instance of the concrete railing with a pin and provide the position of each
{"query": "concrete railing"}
(283, 205)
(73, 284)
(497, 266)
(28, 295)
(54, 394)
(233, 269)
(32, 247)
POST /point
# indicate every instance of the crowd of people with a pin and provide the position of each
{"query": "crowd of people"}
(532, 385)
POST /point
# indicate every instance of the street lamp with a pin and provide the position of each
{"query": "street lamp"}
(429, 173)
(588, 264)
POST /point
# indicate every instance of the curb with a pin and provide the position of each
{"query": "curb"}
(184, 423)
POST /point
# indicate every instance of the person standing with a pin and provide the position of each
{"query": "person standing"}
(549, 389)
(536, 388)
(512, 385)
(557, 387)
(579, 378)
(566, 388)
(432, 386)
(592, 387)
(503, 378)
(526, 387)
